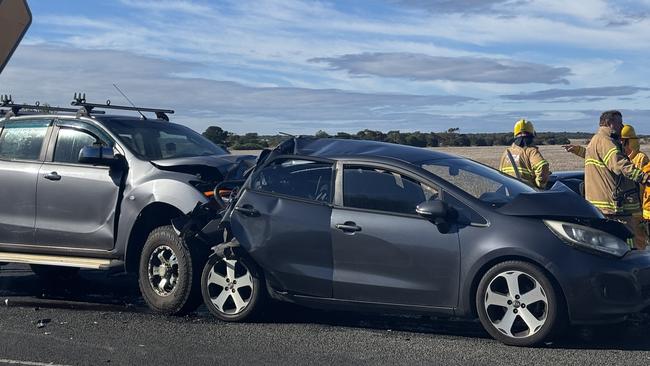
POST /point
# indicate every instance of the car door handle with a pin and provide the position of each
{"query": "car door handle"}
(248, 210)
(52, 176)
(348, 227)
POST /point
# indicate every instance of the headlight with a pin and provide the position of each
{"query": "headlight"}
(588, 238)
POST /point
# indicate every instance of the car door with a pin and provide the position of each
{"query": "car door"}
(21, 152)
(76, 203)
(383, 251)
(282, 220)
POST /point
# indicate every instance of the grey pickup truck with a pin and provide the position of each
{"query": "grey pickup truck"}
(80, 188)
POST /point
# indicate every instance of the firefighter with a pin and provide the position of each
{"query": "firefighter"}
(611, 179)
(529, 162)
(631, 146)
(632, 208)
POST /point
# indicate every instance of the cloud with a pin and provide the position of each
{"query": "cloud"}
(452, 6)
(52, 74)
(580, 94)
(175, 6)
(422, 67)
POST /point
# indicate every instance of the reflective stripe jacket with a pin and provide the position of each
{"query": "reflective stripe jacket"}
(606, 168)
(530, 162)
(640, 160)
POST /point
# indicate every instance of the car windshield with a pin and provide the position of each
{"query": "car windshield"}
(157, 140)
(480, 181)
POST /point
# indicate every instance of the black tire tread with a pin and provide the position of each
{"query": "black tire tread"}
(187, 297)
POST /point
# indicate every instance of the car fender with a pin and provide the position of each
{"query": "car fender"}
(177, 194)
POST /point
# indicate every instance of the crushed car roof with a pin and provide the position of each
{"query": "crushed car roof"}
(339, 148)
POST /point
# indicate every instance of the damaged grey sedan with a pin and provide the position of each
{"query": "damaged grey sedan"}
(369, 226)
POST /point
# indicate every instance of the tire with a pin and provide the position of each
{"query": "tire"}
(169, 272)
(52, 273)
(532, 311)
(224, 297)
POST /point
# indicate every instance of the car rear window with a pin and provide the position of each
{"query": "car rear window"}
(23, 140)
(297, 178)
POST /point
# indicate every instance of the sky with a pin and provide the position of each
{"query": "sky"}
(301, 66)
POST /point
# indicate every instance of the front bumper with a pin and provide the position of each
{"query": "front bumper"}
(606, 289)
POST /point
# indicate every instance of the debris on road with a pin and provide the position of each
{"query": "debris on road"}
(42, 323)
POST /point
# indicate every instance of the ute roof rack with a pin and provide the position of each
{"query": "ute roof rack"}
(6, 101)
(80, 101)
(84, 108)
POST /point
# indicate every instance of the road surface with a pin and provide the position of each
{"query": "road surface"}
(101, 320)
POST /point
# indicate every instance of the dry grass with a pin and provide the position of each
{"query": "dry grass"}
(557, 157)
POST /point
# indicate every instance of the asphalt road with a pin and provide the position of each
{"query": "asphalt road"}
(98, 319)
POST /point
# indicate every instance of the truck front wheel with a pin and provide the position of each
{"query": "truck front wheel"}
(170, 272)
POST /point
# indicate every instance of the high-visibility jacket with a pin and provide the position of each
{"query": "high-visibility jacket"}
(606, 167)
(532, 166)
(640, 160)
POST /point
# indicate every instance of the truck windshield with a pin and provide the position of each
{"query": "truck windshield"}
(480, 181)
(155, 140)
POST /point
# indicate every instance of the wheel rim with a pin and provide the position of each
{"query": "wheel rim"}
(230, 286)
(516, 304)
(163, 270)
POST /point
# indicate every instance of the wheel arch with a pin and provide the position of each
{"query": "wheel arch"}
(154, 215)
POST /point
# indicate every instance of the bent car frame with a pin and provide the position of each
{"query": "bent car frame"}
(359, 225)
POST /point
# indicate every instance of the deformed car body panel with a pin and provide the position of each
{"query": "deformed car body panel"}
(290, 239)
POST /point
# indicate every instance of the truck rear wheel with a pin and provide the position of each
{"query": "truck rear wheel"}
(170, 272)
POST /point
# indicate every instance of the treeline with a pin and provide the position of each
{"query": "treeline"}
(451, 137)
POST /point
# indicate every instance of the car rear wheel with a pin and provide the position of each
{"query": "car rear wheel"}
(169, 273)
(232, 288)
(518, 305)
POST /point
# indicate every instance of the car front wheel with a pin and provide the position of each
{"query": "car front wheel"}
(169, 273)
(232, 288)
(518, 305)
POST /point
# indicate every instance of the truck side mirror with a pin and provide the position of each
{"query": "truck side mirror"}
(98, 155)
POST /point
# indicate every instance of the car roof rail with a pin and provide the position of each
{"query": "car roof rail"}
(80, 101)
(6, 101)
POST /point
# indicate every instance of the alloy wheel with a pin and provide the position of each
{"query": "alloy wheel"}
(163, 270)
(516, 304)
(230, 286)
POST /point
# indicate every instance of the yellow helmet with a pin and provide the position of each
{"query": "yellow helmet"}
(524, 126)
(628, 132)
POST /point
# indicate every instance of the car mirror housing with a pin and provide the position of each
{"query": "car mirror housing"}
(98, 155)
(438, 212)
(433, 209)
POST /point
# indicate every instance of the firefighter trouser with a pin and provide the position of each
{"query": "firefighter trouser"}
(638, 226)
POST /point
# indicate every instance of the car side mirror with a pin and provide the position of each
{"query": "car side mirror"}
(438, 212)
(98, 155)
(433, 209)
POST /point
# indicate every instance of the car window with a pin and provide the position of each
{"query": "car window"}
(298, 178)
(154, 140)
(383, 190)
(23, 140)
(480, 181)
(69, 143)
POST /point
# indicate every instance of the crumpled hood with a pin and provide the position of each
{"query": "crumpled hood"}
(563, 204)
(560, 201)
(213, 167)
